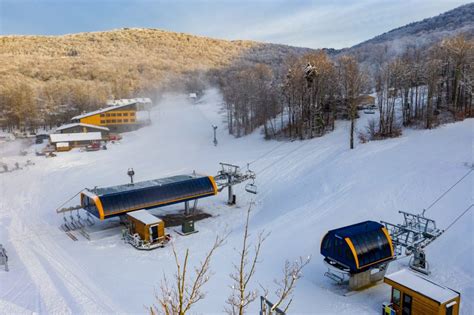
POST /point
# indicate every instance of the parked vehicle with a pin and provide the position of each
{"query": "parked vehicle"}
(114, 137)
(40, 138)
(95, 146)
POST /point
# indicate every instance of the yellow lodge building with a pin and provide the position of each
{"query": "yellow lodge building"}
(118, 117)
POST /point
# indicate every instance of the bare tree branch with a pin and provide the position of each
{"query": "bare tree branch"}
(292, 272)
(241, 297)
(179, 298)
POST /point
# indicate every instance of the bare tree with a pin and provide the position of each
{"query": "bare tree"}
(309, 93)
(459, 52)
(292, 272)
(432, 79)
(351, 81)
(178, 297)
(241, 297)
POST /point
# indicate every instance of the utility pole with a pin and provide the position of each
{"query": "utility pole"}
(3, 257)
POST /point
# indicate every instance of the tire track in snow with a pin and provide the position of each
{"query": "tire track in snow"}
(42, 245)
(50, 296)
(47, 292)
(10, 308)
(88, 297)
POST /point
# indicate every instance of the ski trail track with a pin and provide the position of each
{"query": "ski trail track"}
(43, 258)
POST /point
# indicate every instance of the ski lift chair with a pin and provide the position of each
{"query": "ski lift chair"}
(251, 188)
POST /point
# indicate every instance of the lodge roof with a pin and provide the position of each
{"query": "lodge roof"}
(79, 136)
(140, 100)
(67, 126)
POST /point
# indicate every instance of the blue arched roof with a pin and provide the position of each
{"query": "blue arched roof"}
(116, 200)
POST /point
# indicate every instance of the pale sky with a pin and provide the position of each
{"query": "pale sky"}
(315, 24)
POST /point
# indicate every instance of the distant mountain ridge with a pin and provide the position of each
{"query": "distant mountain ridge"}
(460, 19)
(417, 34)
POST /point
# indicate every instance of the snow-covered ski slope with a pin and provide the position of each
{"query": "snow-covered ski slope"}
(305, 188)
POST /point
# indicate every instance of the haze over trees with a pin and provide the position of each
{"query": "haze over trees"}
(433, 85)
(420, 34)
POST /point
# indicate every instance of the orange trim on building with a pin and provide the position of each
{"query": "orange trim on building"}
(384, 229)
(354, 253)
(213, 184)
(99, 207)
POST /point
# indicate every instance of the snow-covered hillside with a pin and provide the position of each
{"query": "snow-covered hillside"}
(305, 188)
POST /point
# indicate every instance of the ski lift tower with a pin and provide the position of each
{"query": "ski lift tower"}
(3, 257)
(414, 234)
(214, 127)
(231, 175)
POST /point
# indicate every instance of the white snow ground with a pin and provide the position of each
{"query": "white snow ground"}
(312, 186)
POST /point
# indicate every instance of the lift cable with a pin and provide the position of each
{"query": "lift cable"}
(450, 188)
(285, 156)
(268, 152)
(59, 208)
(459, 217)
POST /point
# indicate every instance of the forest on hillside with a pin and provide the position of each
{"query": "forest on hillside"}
(45, 80)
(291, 92)
(431, 86)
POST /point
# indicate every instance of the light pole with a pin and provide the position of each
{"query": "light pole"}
(215, 137)
(130, 173)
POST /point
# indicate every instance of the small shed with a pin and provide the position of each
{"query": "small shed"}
(75, 139)
(415, 294)
(62, 146)
(150, 228)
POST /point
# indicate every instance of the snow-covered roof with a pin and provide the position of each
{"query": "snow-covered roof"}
(128, 101)
(144, 216)
(144, 184)
(423, 286)
(82, 136)
(103, 110)
(67, 126)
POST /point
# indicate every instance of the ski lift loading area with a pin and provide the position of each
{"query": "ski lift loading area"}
(361, 253)
(103, 203)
